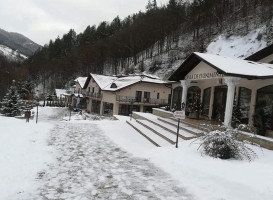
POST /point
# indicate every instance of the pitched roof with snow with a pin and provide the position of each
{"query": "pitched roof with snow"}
(81, 81)
(259, 55)
(114, 83)
(102, 80)
(224, 65)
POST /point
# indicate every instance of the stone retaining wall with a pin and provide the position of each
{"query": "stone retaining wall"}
(162, 113)
(262, 142)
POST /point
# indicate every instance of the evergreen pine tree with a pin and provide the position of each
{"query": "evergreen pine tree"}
(149, 6)
(11, 103)
(154, 4)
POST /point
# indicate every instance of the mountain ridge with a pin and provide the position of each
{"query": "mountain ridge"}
(19, 42)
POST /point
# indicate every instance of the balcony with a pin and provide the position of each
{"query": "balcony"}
(128, 99)
(93, 95)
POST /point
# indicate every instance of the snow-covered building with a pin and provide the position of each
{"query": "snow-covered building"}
(108, 95)
(265, 55)
(61, 93)
(226, 84)
(79, 83)
(74, 93)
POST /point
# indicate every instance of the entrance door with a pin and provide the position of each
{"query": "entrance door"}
(219, 103)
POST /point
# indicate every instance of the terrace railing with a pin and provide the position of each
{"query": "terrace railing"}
(93, 95)
(130, 99)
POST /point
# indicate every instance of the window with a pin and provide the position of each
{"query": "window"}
(113, 85)
(88, 89)
(265, 98)
(95, 107)
(244, 104)
(206, 101)
(107, 109)
(157, 96)
(176, 101)
(169, 99)
(138, 96)
(127, 109)
(147, 109)
(193, 99)
(93, 89)
(147, 96)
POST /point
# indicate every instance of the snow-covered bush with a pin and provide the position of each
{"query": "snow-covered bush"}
(224, 143)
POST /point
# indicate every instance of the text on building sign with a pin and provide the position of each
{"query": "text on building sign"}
(203, 76)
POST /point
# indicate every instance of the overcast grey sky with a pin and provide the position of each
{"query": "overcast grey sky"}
(42, 20)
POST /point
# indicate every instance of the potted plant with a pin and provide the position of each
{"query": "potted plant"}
(261, 118)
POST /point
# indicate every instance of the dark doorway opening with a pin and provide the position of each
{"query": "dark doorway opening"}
(127, 109)
(219, 103)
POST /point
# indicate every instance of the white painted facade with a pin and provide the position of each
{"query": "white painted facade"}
(100, 94)
(205, 76)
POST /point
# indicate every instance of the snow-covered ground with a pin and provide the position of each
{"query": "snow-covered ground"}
(107, 159)
(204, 177)
(23, 153)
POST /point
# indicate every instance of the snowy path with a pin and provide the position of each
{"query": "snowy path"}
(90, 166)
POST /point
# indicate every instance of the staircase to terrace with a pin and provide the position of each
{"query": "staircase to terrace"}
(162, 131)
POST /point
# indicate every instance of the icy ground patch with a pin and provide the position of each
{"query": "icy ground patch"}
(90, 166)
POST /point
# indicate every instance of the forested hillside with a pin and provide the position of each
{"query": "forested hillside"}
(18, 42)
(9, 70)
(123, 45)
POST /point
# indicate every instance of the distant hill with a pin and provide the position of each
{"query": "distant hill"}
(18, 42)
(10, 54)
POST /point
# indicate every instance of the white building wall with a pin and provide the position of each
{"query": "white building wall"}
(254, 85)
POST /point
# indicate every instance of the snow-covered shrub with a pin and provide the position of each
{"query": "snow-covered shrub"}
(224, 143)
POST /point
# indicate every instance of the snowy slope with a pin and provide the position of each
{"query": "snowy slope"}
(238, 46)
(11, 54)
(235, 46)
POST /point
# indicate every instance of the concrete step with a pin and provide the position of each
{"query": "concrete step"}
(168, 136)
(201, 127)
(172, 129)
(148, 134)
(184, 134)
(185, 127)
